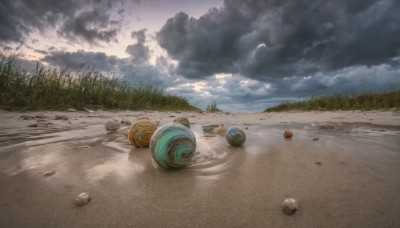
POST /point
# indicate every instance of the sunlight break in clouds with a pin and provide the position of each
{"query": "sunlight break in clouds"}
(247, 55)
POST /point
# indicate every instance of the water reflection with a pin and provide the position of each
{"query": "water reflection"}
(100, 156)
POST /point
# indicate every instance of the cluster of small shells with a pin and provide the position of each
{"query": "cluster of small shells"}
(234, 136)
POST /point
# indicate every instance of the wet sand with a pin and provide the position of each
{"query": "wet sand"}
(348, 178)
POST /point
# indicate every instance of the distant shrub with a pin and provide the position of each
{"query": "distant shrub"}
(363, 101)
(212, 107)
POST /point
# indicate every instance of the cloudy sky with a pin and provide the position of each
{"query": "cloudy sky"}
(245, 54)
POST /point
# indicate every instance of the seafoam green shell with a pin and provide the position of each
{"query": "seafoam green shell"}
(173, 146)
(235, 136)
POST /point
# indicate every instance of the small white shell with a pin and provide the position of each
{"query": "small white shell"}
(82, 199)
(289, 206)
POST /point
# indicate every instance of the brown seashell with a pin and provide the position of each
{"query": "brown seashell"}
(315, 138)
(140, 133)
(287, 134)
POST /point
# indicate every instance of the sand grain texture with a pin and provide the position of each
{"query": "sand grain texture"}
(348, 178)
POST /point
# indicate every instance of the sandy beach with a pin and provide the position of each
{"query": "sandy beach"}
(350, 177)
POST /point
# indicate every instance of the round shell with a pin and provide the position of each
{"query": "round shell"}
(173, 146)
(287, 134)
(82, 199)
(182, 120)
(289, 206)
(140, 133)
(112, 125)
(235, 136)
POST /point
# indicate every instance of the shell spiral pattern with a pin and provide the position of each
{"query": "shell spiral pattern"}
(235, 136)
(173, 146)
(140, 133)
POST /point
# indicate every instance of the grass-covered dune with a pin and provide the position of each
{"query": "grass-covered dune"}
(55, 89)
(363, 101)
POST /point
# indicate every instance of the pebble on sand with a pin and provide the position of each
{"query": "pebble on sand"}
(315, 138)
(290, 206)
(82, 199)
(49, 173)
(71, 110)
(287, 134)
(112, 125)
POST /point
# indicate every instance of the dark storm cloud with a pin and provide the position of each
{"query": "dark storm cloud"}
(90, 21)
(139, 35)
(76, 60)
(92, 25)
(264, 39)
(139, 53)
(238, 93)
(41, 52)
(145, 73)
(163, 64)
(52, 48)
(123, 68)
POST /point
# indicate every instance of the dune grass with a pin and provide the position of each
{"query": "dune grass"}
(363, 101)
(55, 89)
(212, 107)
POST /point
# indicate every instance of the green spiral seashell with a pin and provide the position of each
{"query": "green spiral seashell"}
(235, 136)
(173, 146)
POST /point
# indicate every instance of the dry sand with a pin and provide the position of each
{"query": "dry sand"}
(348, 178)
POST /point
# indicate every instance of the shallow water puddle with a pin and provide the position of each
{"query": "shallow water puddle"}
(224, 185)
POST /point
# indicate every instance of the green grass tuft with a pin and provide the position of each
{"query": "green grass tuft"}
(212, 107)
(54, 89)
(363, 101)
